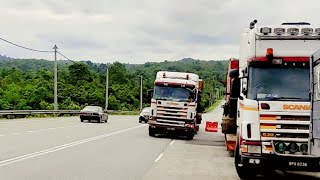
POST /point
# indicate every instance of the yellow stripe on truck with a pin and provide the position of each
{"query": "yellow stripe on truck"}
(268, 126)
(248, 108)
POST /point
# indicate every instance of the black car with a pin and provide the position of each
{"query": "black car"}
(95, 113)
(144, 115)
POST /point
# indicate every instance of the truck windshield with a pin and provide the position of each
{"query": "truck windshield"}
(173, 93)
(284, 84)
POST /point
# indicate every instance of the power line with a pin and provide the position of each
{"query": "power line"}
(65, 57)
(23, 47)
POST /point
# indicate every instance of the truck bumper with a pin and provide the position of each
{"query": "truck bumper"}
(164, 129)
(286, 163)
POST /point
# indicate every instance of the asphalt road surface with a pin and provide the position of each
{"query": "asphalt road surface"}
(65, 148)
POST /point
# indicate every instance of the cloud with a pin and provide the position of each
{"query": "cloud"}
(137, 31)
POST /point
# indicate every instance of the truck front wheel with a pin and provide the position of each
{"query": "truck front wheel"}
(152, 133)
(190, 136)
(243, 171)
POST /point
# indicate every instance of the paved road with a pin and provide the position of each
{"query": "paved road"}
(65, 148)
(205, 157)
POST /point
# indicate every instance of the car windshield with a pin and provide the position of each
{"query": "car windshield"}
(173, 93)
(286, 84)
(91, 108)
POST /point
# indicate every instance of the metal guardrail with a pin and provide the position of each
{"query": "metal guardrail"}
(29, 112)
(26, 112)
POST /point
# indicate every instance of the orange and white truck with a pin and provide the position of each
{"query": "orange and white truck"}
(273, 111)
(268, 102)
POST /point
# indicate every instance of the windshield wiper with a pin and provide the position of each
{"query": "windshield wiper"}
(284, 98)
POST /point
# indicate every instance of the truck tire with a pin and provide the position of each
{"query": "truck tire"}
(190, 136)
(152, 133)
(81, 119)
(242, 171)
(231, 153)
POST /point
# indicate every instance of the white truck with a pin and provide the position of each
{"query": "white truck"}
(273, 109)
(314, 138)
(175, 104)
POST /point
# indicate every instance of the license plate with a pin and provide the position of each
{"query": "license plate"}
(171, 129)
(298, 164)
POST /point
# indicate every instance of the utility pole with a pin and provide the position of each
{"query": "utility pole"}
(141, 93)
(213, 90)
(55, 78)
(107, 86)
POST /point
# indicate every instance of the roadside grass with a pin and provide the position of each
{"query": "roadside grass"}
(214, 105)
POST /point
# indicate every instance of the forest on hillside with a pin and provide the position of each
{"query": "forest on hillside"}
(28, 83)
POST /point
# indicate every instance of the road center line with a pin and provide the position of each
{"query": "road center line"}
(171, 143)
(159, 157)
(64, 146)
(15, 133)
(39, 130)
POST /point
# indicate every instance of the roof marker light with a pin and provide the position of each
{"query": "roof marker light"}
(279, 31)
(293, 31)
(306, 31)
(187, 76)
(269, 53)
(164, 75)
(265, 30)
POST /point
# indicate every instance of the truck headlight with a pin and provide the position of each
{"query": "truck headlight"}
(293, 148)
(254, 149)
(280, 147)
(304, 148)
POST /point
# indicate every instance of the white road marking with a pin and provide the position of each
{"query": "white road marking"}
(39, 130)
(159, 157)
(172, 142)
(64, 146)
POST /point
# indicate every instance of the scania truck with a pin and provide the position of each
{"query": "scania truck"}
(314, 138)
(273, 106)
(175, 104)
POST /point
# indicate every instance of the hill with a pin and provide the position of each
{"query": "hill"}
(28, 83)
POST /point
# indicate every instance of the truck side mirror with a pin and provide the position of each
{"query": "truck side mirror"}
(244, 86)
(150, 94)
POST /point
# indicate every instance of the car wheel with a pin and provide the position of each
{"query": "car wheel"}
(81, 119)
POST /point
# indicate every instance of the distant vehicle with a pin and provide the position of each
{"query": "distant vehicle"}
(95, 113)
(144, 115)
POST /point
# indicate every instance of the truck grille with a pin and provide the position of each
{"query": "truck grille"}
(171, 115)
(278, 127)
(283, 128)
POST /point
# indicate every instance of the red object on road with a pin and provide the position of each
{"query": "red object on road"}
(211, 126)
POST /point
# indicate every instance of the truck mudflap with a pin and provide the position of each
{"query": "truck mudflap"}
(230, 140)
(284, 163)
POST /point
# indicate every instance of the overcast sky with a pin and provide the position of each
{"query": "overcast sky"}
(137, 31)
